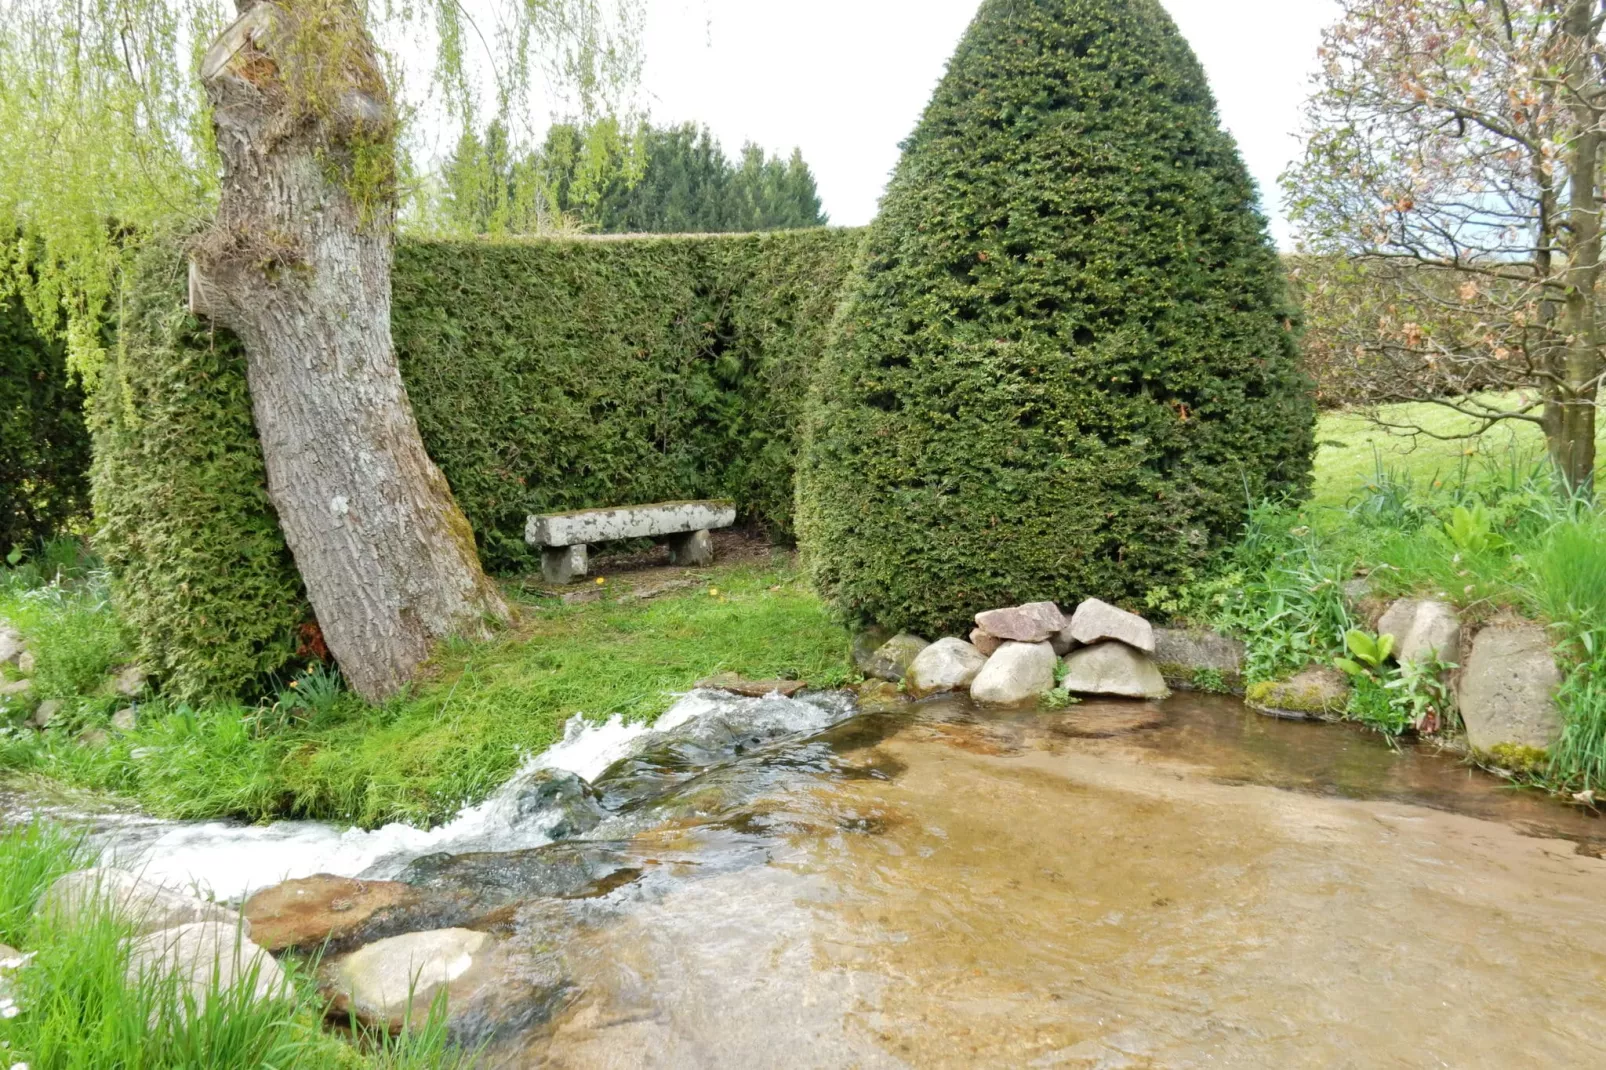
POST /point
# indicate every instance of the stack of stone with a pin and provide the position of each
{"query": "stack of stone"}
(1013, 656)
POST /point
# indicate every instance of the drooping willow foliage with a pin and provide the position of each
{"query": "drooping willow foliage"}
(104, 135)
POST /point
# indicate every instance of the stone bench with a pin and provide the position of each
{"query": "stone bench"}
(564, 538)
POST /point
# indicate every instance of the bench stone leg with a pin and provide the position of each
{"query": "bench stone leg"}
(564, 564)
(693, 549)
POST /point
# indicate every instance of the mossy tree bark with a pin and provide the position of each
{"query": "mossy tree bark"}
(298, 265)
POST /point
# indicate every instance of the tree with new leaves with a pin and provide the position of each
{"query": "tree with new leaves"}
(286, 173)
(1453, 168)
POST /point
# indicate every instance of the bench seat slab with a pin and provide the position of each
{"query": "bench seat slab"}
(633, 522)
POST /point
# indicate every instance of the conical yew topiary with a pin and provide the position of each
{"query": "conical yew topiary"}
(1067, 359)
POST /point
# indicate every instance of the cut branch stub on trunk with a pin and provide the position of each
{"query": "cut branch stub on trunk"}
(298, 265)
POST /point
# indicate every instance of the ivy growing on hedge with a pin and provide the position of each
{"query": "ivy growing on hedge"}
(1068, 357)
(545, 374)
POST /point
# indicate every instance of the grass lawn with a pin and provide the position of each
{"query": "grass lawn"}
(324, 754)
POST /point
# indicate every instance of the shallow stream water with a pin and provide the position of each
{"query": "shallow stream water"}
(1113, 885)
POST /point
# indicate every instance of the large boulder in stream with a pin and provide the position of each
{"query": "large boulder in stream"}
(145, 905)
(946, 665)
(575, 870)
(490, 987)
(1113, 668)
(1018, 673)
(333, 914)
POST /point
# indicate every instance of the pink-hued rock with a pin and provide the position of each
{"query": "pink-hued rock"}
(1095, 621)
(984, 642)
(1034, 622)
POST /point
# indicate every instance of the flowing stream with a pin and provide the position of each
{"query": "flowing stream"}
(1114, 885)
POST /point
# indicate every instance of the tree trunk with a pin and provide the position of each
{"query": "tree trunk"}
(1571, 424)
(298, 265)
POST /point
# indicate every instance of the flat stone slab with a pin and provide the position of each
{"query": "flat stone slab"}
(736, 684)
(630, 522)
(1095, 621)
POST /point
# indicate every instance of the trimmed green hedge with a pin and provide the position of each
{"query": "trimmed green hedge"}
(1068, 358)
(201, 574)
(545, 375)
(563, 374)
(44, 447)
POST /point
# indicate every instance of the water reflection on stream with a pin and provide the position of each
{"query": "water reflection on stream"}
(1115, 885)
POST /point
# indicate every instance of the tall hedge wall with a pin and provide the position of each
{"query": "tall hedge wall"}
(553, 375)
(546, 375)
(200, 570)
(44, 447)
(1069, 355)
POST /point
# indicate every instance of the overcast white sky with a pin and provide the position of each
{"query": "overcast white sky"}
(845, 80)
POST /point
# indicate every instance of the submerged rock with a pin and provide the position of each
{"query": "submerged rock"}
(892, 660)
(1317, 692)
(1508, 691)
(1182, 655)
(1095, 621)
(146, 905)
(574, 870)
(946, 665)
(1035, 622)
(207, 957)
(1422, 631)
(388, 983)
(1018, 673)
(490, 987)
(308, 913)
(558, 803)
(1113, 668)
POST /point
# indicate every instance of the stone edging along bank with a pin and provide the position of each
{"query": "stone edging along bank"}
(1505, 686)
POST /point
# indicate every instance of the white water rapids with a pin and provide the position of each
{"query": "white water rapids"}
(229, 861)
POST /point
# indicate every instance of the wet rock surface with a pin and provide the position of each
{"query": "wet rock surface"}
(740, 685)
(334, 913)
(560, 870)
(1318, 691)
(559, 803)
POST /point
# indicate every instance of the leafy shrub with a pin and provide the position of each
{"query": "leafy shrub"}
(1067, 358)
